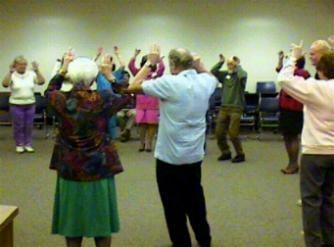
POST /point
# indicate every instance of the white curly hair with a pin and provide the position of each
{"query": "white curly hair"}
(82, 70)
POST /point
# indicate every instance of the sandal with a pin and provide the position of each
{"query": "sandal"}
(287, 171)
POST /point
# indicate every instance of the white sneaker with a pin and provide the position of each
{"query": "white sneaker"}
(299, 203)
(19, 150)
(29, 149)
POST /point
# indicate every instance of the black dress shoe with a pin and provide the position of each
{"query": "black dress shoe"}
(224, 157)
(239, 158)
(148, 150)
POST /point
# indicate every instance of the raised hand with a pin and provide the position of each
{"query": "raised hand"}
(99, 51)
(11, 68)
(331, 40)
(137, 51)
(281, 55)
(236, 59)
(154, 54)
(68, 58)
(198, 63)
(116, 50)
(196, 60)
(297, 50)
(221, 58)
(34, 65)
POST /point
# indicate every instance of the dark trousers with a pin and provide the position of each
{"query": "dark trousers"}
(317, 190)
(182, 195)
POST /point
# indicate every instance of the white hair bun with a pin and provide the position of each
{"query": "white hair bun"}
(82, 70)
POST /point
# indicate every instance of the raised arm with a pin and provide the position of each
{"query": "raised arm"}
(280, 61)
(216, 69)
(331, 41)
(8, 78)
(106, 68)
(40, 80)
(56, 82)
(293, 85)
(55, 97)
(199, 65)
(132, 64)
(112, 103)
(98, 53)
(152, 59)
(119, 58)
(242, 75)
(161, 68)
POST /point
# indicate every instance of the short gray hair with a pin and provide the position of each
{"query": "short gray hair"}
(181, 58)
(20, 59)
(322, 45)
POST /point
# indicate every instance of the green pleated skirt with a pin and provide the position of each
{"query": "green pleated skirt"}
(85, 209)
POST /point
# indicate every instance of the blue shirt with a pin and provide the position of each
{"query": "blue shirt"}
(103, 84)
(184, 101)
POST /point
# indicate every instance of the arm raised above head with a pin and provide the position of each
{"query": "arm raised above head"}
(132, 64)
(152, 59)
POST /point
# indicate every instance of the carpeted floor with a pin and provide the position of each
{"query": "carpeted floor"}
(248, 205)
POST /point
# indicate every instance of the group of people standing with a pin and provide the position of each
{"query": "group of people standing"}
(86, 159)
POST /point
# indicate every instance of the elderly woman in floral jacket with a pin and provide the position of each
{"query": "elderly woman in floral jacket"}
(84, 157)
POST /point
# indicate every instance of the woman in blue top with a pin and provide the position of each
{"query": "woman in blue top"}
(107, 79)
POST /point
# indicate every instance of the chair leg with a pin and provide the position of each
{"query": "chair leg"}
(45, 125)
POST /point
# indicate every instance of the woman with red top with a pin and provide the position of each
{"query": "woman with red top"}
(147, 107)
(291, 118)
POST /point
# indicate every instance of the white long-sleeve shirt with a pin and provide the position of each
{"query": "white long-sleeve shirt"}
(318, 99)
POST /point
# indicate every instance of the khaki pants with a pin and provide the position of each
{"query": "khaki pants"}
(228, 123)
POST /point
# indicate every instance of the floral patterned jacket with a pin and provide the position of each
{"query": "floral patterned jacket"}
(83, 151)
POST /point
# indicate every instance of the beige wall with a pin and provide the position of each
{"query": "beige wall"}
(252, 29)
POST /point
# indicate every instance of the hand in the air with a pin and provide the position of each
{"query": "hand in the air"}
(69, 56)
(137, 51)
(154, 54)
(196, 61)
(331, 40)
(99, 51)
(34, 65)
(221, 58)
(116, 50)
(281, 55)
(12, 68)
(297, 50)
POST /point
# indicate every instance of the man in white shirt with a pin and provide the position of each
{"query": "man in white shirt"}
(184, 98)
(317, 163)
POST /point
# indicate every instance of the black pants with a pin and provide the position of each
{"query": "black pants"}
(317, 190)
(182, 195)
